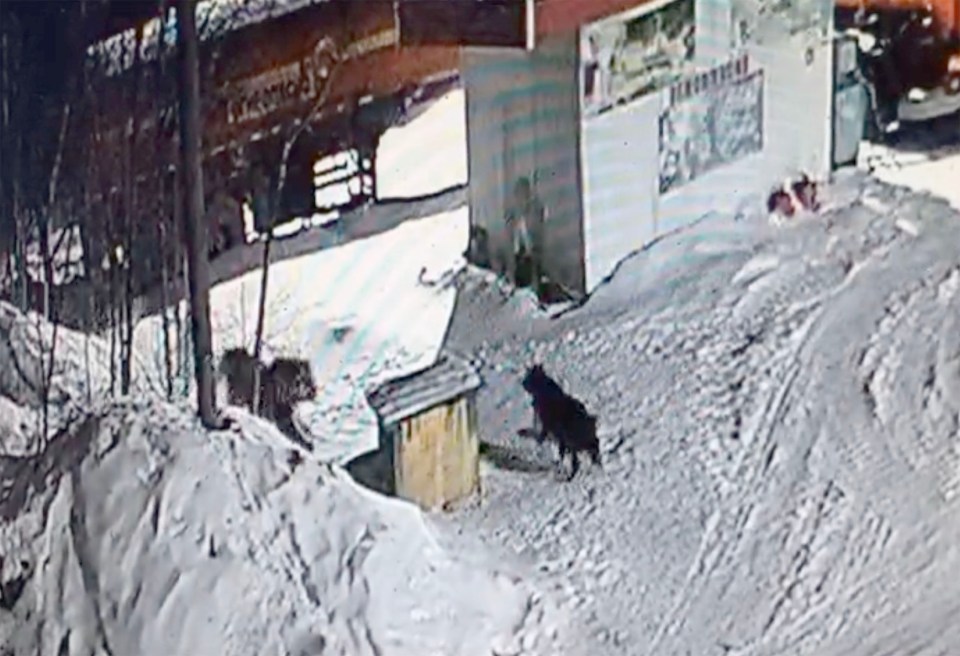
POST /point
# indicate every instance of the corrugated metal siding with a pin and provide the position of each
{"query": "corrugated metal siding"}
(405, 397)
(523, 119)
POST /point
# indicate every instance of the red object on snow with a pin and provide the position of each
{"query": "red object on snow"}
(805, 191)
(781, 202)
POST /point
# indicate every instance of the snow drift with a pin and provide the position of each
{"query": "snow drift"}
(132, 530)
(80, 373)
(137, 532)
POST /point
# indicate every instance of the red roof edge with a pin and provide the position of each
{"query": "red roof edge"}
(560, 16)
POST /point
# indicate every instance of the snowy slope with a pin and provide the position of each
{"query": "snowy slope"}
(924, 157)
(79, 375)
(144, 534)
(936, 172)
(427, 155)
(780, 416)
(359, 313)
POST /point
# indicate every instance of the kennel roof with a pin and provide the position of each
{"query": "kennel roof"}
(401, 398)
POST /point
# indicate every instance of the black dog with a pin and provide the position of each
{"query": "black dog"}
(560, 415)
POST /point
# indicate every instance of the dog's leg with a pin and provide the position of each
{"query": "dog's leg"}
(595, 456)
(563, 454)
(538, 430)
(574, 464)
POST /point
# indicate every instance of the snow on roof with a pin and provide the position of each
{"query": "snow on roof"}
(359, 313)
(450, 377)
(214, 18)
(428, 154)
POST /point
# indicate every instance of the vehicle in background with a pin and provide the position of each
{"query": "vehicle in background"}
(909, 55)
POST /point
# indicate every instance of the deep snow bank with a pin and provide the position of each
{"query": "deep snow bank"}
(137, 532)
(80, 374)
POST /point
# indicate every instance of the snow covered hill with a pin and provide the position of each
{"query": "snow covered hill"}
(134, 531)
(137, 532)
(780, 416)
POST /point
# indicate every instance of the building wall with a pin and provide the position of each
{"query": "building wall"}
(624, 209)
(523, 120)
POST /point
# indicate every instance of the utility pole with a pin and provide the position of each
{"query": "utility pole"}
(191, 175)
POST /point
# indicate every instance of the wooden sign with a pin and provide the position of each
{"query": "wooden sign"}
(298, 82)
(313, 63)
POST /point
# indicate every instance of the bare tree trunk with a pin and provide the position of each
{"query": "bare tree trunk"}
(43, 222)
(181, 314)
(88, 307)
(126, 268)
(123, 269)
(43, 235)
(130, 215)
(166, 191)
(274, 207)
(112, 313)
(261, 318)
(165, 311)
(199, 275)
(20, 249)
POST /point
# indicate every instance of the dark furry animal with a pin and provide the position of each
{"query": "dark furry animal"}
(238, 367)
(283, 384)
(286, 382)
(563, 417)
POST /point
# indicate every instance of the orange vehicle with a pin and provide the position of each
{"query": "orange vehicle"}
(910, 55)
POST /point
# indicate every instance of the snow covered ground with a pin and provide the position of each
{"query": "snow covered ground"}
(780, 417)
(133, 531)
(79, 375)
(137, 532)
(361, 313)
(925, 158)
(779, 413)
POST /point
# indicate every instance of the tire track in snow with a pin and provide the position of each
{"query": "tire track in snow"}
(720, 544)
(743, 367)
(873, 537)
(722, 536)
(907, 357)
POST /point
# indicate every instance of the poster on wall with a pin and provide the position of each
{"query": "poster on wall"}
(712, 119)
(635, 53)
(764, 21)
